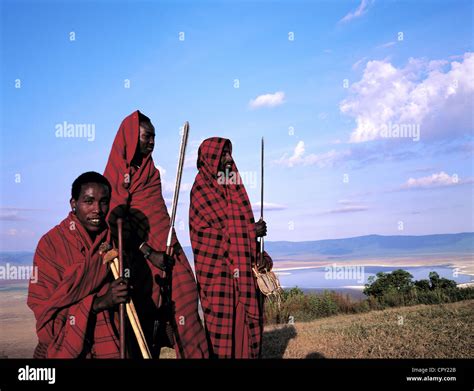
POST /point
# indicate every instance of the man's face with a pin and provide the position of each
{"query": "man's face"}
(226, 161)
(146, 138)
(92, 206)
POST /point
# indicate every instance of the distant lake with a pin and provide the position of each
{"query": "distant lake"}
(315, 278)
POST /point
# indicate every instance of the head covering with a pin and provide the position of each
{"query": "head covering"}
(223, 237)
(136, 193)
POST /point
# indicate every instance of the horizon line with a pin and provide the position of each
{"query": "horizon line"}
(303, 241)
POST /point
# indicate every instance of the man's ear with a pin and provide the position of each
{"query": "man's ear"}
(73, 203)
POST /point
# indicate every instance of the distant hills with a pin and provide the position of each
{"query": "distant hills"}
(375, 245)
(356, 247)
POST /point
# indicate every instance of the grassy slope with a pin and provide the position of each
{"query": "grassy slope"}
(428, 331)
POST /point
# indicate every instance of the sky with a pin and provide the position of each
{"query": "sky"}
(365, 106)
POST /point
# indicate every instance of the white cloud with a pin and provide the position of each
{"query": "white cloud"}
(347, 202)
(347, 209)
(386, 45)
(421, 94)
(440, 179)
(268, 100)
(185, 187)
(166, 187)
(16, 214)
(268, 206)
(169, 203)
(361, 10)
(296, 158)
(356, 65)
(326, 159)
(192, 154)
(11, 216)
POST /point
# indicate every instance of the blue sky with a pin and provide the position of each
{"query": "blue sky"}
(404, 62)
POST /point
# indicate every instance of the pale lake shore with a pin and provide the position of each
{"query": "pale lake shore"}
(464, 264)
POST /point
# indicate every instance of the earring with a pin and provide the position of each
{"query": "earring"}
(74, 210)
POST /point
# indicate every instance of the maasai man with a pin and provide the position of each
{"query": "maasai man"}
(75, 298)
(224, 240)
(165, 291)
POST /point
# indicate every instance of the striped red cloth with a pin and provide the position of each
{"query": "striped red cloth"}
(137, 191)
(223, 237)
(70, 274)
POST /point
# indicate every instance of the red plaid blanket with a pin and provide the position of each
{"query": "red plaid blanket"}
(223, 237)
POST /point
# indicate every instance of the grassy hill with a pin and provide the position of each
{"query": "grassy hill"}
(422, 331)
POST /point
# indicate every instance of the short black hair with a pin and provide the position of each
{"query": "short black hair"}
(88, 177)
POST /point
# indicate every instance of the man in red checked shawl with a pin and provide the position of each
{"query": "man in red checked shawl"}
(224, 240)
(74, 298)
(165, 291)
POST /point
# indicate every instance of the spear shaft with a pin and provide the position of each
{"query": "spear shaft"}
(261, 195)
(179, 173)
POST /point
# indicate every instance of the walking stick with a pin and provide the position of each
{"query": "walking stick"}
(112, 257)
(261, 201)
(179, 172)
(122, 306)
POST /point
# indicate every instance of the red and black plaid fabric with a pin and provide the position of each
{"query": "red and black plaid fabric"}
(138, 190)
(223, 237)
(70, 274)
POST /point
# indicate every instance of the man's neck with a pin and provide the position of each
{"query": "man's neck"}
(137, 159)
(93, 235)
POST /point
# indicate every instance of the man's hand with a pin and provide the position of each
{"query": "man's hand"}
(117, 293)
(264, 264)
(261, 228)
(160, 259)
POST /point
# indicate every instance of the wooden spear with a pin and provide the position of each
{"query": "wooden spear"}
(179, 172)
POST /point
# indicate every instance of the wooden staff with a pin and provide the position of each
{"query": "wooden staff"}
(179, 172)
(133, 316)
(261, 199)
(112, 258)
(122, 305)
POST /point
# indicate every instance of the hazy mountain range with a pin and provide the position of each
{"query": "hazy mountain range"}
(356, 247)
(375, 246)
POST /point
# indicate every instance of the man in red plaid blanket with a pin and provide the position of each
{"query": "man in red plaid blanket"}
(224, 240)
(75, 298)
(165, 291)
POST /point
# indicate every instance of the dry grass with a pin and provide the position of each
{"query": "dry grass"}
(428, 331)
(422, 331)
(17, 326)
